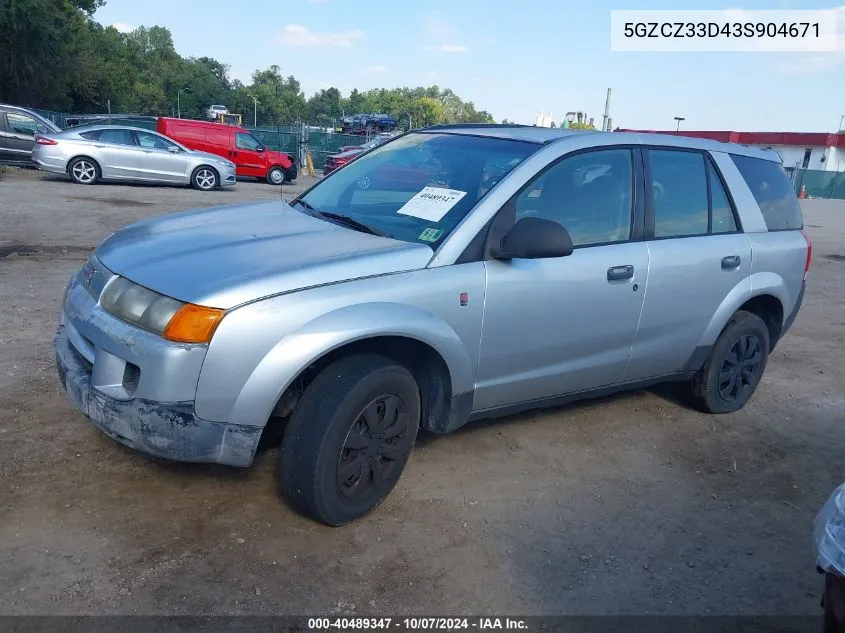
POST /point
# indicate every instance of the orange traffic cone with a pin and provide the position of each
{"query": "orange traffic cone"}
(803, 193)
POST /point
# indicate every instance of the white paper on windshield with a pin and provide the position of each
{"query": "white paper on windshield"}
(432, 203)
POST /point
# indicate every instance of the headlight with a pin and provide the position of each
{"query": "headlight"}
(227, 163)
(169, 318)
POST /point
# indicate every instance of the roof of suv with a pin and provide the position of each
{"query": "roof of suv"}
(546, 135)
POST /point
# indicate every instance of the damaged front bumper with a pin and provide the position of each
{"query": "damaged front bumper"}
(136, 387)
(167, 430)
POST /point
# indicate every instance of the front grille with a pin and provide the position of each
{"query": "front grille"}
(89, 367)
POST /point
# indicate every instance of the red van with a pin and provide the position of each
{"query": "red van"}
(251, 158)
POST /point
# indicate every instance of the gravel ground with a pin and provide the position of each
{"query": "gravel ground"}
(626, 505)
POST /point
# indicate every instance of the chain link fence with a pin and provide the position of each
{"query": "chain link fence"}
(296, 139)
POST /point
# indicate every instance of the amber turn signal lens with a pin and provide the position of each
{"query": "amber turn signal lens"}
(193, 324)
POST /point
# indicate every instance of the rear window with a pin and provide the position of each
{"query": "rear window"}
(772, 191)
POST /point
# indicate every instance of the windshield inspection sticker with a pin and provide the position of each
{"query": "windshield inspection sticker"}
(432, 203)
(431, 235)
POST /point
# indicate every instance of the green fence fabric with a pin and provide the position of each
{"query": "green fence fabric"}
(322, 145)
(283, 138)
(820, 184)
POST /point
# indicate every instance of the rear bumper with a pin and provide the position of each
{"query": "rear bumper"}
(787, 324)
(52, 165)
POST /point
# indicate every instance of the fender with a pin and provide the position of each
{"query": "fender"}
(757, 284)
(296, 351)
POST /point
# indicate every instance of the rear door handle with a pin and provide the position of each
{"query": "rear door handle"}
(731, 262)
(620, 273)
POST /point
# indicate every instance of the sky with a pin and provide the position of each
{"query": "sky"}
(511, 58)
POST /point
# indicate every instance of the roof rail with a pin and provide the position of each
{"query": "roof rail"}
(460, 126)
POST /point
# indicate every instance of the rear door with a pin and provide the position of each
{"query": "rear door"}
(161, 158)
(698, 256)
(115, 151)
(249, 156)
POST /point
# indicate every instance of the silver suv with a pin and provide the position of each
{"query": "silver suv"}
(453, 273)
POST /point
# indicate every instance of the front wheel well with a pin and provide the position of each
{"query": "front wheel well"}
(770, 309)
(423, 361)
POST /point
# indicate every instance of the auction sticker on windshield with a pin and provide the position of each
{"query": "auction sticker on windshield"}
(432, 203)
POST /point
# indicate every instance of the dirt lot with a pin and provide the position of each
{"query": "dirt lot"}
(628, 505)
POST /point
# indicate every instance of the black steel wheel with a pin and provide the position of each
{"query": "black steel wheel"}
(349, 438)
(735, 366)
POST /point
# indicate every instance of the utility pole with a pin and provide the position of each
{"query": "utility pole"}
(254, 111)
(679, 119)
(410, 122)
(606, 116)
(841, 119)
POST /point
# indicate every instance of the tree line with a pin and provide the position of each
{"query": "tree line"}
(54, 56)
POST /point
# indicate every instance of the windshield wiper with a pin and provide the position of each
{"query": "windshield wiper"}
(345, 220)
(352, 223)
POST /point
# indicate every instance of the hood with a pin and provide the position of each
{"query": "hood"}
(226, 256)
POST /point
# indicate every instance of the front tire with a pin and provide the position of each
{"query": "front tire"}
(205, 178)
(733, 369)
(84, 170)
(349, 438)
(276, 176)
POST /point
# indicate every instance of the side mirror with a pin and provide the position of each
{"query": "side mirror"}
(534, 238)
(173, 150)
(259, 149)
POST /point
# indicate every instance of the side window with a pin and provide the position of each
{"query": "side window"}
(723, 215)
(91, 135)
(679, 187)
(153, 141)
(22, 124)
(247, 141)
(116, 136)
(772, 190)
(589, 194)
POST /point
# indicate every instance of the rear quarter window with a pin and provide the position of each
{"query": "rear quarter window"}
(773, 192)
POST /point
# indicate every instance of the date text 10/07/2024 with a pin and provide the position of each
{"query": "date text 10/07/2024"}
(417, 624)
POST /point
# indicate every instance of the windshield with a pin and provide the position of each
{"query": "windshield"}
(417, 188)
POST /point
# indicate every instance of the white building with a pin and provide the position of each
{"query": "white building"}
(798, 150)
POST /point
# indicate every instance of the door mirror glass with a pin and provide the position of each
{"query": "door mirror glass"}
(260, 148)
(173, 149)
(534, 238)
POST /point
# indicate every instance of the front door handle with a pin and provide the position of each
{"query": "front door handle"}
(731, 262)
(620, 273)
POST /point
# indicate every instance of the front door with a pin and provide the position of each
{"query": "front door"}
(161, 159)
(563, 325)
(249, 156)
(18, 137)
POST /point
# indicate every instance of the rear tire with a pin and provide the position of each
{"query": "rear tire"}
(84, 170)
(205, 178)
(736, 363)
(349, 438)
(276, 176)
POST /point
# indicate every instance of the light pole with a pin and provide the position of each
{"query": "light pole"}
(679, 119)
(841, 119)
(179, 100)
(254, 111)
(410, 122)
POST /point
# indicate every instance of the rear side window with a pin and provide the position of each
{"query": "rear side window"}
(772, 190)
(679, 187)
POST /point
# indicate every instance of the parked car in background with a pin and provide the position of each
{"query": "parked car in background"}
(233, 143)
(348, 152)
(371, 306)
(18, 127)
(109, 152)
(213, 113)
